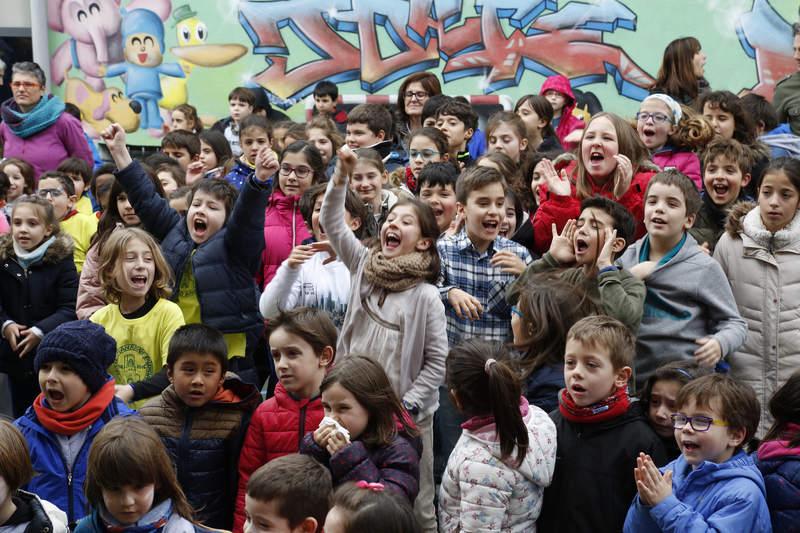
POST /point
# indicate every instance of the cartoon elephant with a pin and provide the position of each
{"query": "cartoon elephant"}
(93, 27)
(100, 109)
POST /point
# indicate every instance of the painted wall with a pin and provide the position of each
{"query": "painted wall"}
(610, 47)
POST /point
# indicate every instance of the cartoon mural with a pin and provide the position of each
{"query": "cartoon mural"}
(611, 47)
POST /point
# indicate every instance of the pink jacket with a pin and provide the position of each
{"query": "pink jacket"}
(568, 122)
(90, 290)
(682, 160)
(284, 228)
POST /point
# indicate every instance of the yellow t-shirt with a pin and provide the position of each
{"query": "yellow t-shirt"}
(142, 343)
(190, 306)
(81, 228)
(84, 206)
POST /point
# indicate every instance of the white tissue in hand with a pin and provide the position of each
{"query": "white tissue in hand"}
(328, 421)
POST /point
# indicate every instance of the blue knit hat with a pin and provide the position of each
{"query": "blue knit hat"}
(84, 346)
(142, 21)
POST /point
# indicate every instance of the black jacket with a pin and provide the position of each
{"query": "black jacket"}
(43, 296)
(593, 484)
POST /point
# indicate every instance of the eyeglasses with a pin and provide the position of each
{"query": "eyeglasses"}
(55, 193)
(424, 154)
(658, 118)
(419, 95)
(24, 84)
(698, 423)
(300, 172)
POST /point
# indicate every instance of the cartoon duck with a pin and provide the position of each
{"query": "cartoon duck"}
(193, 51)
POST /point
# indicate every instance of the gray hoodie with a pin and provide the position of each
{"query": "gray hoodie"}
(688, 297)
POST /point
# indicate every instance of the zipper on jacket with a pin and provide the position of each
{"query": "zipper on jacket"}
(302, 431)
(294, 224)
(184, 444)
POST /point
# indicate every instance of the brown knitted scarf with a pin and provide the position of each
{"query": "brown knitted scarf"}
(396, 274)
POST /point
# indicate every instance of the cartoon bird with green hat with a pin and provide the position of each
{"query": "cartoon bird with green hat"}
(193, 51)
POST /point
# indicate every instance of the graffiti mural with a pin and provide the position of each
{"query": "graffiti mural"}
(611, 47)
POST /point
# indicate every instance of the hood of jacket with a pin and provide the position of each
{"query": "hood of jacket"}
(787, 142)
(561, 84)
(61, 248)
(744, 221)
(740, 465)
(483, 430)
(736, 214)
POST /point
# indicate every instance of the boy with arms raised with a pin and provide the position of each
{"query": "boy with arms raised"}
(288, 495)
(201, 419)
(599, 433)
(590, 246)
(689, 310)
(713, 485)
(214, 251)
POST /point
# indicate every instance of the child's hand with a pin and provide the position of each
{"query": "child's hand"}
(322, 434)
(652, 486)
(705, 248)
(604, 257)
(622, 176)
(336, 442)
(562, 247)
(465, 305)
(194, 172)
(124, 393)
(114, 136)
(299, 255)
(266, 164)
(508, 262)
(325, 246)
(709, 352)
(643, 269)
(345, 163)
(29, 342)
(556, 184)
(11, 334)
(455, 225)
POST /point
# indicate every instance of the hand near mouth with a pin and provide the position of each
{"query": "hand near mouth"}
(562, 247)
(508, 262)
(194, 171)
(325, 246)
(652, 486)
(299, 255)
(556, 184)
(604, 259)
(622, 176)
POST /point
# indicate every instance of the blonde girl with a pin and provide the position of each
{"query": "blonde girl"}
(136, 282)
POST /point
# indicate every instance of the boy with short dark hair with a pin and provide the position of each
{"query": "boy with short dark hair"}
(81, 174)
(182, 146)
(202, 418)
(689, 310)
(436, 186)
(779, 138)
(325, 96)
(59, 190)
(291, 493)
(589, 247)
(726, 174)
(431, 108)
(600, 433)
(255, 133)
(241, 102)
(214, 251)
(372, 126)
(714, 484)
(458, 121)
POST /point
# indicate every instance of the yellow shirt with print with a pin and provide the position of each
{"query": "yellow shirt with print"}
(142, 343)
(81, 228)
(190, 305)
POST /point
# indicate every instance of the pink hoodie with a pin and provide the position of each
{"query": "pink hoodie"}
(568, 122)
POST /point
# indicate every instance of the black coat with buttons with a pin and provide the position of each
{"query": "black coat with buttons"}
(42, 296)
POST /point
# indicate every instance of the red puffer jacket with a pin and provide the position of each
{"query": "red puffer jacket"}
(559, 209)
(276, 429)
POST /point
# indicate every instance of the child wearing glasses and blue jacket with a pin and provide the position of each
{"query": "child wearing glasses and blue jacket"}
(713, 485)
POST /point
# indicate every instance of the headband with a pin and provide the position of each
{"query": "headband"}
(673, 106)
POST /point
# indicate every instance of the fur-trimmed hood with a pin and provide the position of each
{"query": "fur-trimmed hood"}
(733, 225)
(61, 248)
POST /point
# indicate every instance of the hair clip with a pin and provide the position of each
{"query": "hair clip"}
(685, 373)
(374, 487)
(488, 365)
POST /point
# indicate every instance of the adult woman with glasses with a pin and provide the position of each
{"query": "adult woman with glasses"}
(35, 127)
(414, 92)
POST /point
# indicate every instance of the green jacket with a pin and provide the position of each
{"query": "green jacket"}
(617, 294)
(787, 101)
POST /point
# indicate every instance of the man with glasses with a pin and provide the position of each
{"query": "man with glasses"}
(35, 127)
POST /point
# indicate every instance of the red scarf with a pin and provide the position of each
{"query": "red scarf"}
(612, 407)
(72, 422)
(69, 215)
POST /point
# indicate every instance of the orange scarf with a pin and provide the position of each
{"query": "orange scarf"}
(72, 422)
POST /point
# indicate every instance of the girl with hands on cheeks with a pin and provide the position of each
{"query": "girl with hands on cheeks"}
(382, 445)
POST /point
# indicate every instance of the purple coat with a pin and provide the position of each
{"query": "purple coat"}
(48, 148)
(681, 160)
(395, 465)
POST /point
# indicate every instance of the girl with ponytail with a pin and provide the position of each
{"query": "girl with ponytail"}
(505, 457)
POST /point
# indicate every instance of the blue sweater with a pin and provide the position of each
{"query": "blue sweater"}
(727, 496)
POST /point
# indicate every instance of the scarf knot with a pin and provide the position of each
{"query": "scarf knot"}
(612, 407)
(396, 274)
(43, 115)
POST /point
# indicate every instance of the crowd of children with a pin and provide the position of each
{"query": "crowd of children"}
(390, 320)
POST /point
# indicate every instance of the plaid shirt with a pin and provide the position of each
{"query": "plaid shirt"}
(463, 267)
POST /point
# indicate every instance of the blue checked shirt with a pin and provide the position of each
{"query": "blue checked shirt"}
(463, 267)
